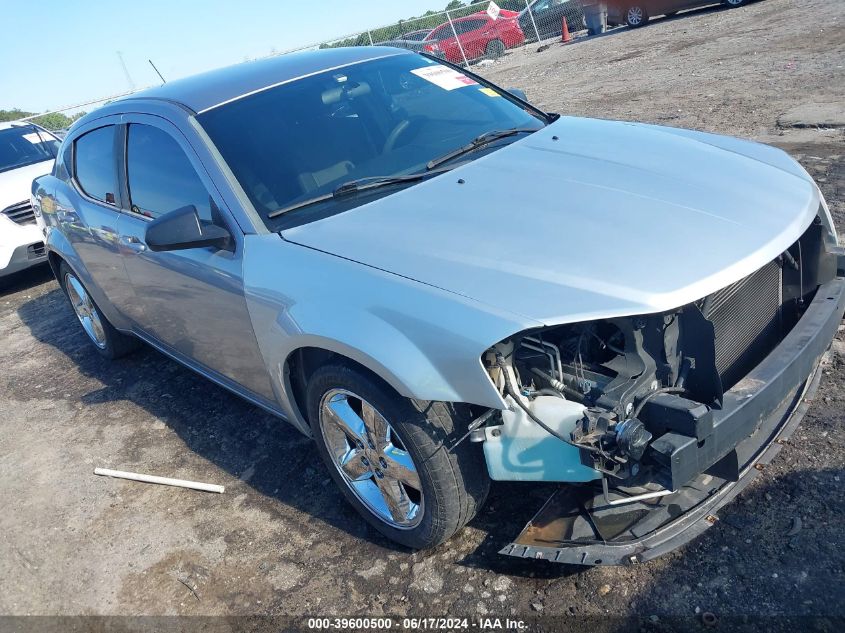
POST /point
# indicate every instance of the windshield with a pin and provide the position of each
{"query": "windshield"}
(22, 145)
(382, 118)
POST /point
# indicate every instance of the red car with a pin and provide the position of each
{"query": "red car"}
(479, 36)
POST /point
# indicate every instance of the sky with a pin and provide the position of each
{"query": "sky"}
(65, 52)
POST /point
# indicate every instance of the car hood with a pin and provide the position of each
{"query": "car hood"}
(585, 219)
(16, 184)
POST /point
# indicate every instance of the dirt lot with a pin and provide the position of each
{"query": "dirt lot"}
(282, 541)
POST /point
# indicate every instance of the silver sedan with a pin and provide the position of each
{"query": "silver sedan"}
(444, 285)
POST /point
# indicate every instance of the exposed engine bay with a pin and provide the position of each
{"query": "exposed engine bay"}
(631, 401)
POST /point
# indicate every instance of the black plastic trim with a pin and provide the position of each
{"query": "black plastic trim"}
(754, 398)
(839, 252)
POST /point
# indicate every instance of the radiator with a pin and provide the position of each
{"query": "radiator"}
(746, 317)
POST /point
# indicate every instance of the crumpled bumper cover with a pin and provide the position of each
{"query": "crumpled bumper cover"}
(577, 526)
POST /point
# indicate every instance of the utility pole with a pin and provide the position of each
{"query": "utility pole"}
(126, 71)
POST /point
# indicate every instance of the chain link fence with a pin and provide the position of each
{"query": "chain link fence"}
(474, 32)
(464, 36)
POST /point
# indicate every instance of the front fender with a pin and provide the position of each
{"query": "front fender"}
(423, 341)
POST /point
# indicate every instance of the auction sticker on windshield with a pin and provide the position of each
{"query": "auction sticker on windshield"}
(445, 77)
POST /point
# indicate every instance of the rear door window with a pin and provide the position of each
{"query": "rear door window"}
(439, 33)
(95, 164)
(161, 178)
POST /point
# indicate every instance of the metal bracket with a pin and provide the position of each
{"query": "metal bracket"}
(473, 426)
(642, 497)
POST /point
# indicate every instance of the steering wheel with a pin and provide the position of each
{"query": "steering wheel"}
(394, 135)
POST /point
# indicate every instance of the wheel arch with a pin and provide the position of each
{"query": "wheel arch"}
(397, 362)
(60, 250)
(55, 260)
(301, 363)
(424, 342)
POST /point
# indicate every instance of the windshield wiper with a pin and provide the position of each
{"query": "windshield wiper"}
(355, 186)
(478, 141)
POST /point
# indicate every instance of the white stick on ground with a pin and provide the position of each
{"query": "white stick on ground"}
(165, 481)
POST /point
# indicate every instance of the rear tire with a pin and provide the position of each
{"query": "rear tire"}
(495, 49)
(395, 469)
(636, 16)
(108, 342)
(734, 4)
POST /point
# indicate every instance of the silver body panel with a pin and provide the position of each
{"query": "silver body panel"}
(214, 88)
(612, 219)
(192, 301)
(418, 284)
(423, 341)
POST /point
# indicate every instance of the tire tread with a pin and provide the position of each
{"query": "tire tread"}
(459, 477)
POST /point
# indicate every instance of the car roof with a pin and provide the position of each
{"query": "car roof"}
(216, 87)
(478, 15)
(474, 16)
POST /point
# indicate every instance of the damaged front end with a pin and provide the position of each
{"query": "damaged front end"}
(660, 419)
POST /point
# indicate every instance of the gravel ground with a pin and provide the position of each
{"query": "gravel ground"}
(281, 541)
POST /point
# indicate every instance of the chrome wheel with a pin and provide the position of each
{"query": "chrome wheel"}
(371, 458)
(86, 311)
(735, 3)
(635, 16)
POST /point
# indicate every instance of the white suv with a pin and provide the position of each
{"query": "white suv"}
(27, 151)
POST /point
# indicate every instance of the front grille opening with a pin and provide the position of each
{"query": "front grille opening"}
(751, 317)
(20, 213)
(36, 251)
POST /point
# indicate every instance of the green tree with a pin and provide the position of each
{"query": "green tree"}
(53, 121)
(454, 4)
(14, 114)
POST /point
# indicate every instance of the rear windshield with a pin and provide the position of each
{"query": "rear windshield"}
(25, 145)
(380, 118)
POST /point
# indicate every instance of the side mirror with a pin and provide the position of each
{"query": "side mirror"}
(182, 229)
(519, 94)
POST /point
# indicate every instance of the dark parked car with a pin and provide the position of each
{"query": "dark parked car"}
(412, 41)
(636, 13)
(548, 18)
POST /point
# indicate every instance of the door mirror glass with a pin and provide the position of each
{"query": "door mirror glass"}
(183, 229)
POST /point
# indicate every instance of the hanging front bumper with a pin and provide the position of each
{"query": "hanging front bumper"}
(759, 414)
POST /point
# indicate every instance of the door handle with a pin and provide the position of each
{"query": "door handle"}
(132, 243)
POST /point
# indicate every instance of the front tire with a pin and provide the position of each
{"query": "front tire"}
(636, 16)
(388, 455)
(108, 342)
(734, 4)
(495, 49)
